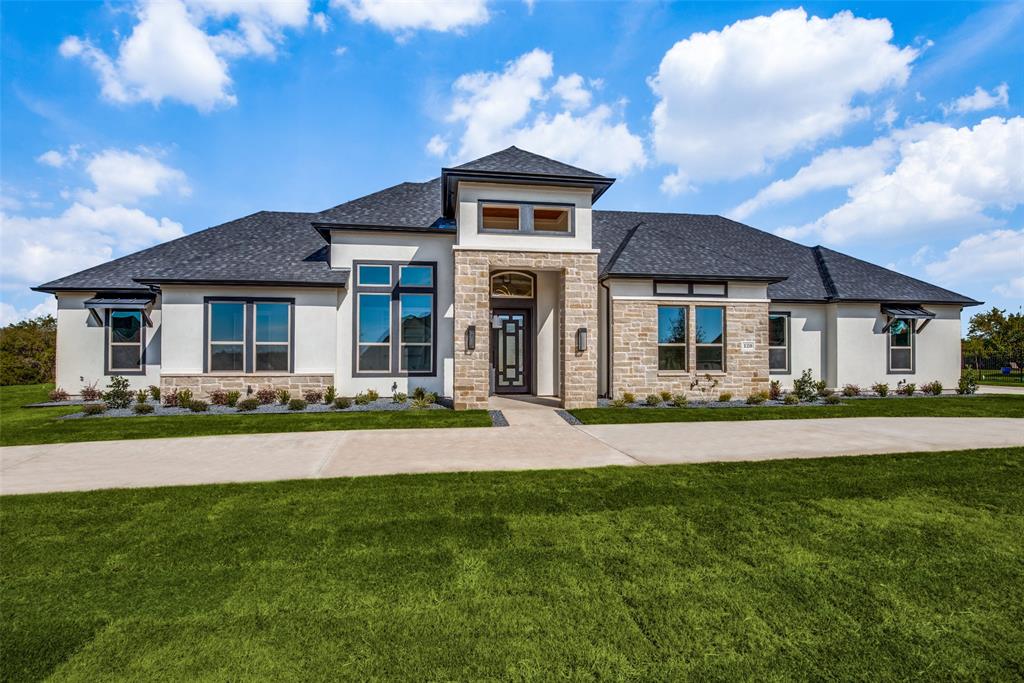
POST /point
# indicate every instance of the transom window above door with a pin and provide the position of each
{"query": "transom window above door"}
(512, 284)
(543, 219)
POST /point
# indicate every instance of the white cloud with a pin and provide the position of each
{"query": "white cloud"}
(340, 51)
(437, 146)
(57, 159)
(123, 177)
(996, 256)
(945, 178)
(169, 54)
(979, 100)
(1013, 289)
(9, 314)
(402, 16)
(322, 22)
(731, 101)
(498, 109)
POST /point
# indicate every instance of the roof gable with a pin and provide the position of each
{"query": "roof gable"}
(513, 160)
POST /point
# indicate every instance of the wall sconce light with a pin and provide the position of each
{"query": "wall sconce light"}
(471, 338)
(581, 340)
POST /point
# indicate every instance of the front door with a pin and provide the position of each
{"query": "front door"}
(511, 352)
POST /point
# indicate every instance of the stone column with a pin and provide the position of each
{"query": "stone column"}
(472, 307)
(579, 309)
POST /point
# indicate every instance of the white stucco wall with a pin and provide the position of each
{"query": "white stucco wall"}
(546, 326)
(80, 346)
(355, 245)
(808, 349)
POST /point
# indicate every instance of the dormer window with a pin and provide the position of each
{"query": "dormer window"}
(551, 219)
(499, 217)
(546, 219)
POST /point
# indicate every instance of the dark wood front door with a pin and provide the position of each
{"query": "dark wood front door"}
(511, 352)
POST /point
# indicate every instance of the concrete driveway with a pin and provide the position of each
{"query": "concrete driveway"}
(536, 439)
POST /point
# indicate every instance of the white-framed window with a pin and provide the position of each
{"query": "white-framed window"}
(672, 345)
(273, 327)
(415, 276)
(778, 342)
(710, 338)
(552, 219)
(373, 275)
(373, 332)
(901, 346)
(226, 344)
(530, 218)
(503, 217)
(416, 316)
(125, 342)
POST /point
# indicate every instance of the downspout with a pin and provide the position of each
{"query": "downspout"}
(608, 355)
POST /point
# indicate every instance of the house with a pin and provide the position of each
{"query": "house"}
(498, 277)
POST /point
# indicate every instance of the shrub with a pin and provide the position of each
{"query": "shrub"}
(880, 388)
(313, 396)
(666, 396)
(342, 402)
(968, 383)
(171, 399)
(58, 394)
(725, 396)
(362, 399)
(154, 392)
(804, 386)
(419, 392)
(906, 388)
(143, 408)
(330, 395)
(94, 408)
(247, 404)
(704, 385)
(219, 397)
(826, 392)
(680, 401)
(283, 396)
(652, 400)
(821, 388)
(619, 403)
(398, 397)
(118, 395)
(90, 393)
(832, 399)
(628, 397)
(266, 395)
(757, 398)
(934, 388)
(297, 404)
(851, 390)
(421, 403)
(775, 390)
(791, 399)
(198, 406)
(185, 398)
(232, 398)
(141, 396)
(373, 395)
(430, 397)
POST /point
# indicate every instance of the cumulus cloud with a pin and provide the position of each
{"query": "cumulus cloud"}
(943, 178)
(979, 100)
(517, 106)
(402, 17)
(731, 101)
(122, 177)
(437, 146)
(991, 257)
(170, 55)
(10, 314)
(58, 159)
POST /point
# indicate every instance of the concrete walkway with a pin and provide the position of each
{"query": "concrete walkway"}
(536, 439)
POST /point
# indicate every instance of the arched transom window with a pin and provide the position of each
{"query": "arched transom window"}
(512, 284)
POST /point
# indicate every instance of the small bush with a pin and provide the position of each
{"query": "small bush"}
(154, 392)
(680, 401)
(58, 394)
(362, 399)
(118, 395)
(725, 397)
(880, 388)
(94, 408)
(297, 404)
(219, 397)
(330, 395)
(421, 403)
(398, 397)
(266, 395)
(185, 398)
(804, 386)
(826, 392)
(821, 388)
(628, 397)
(968, 383)
(906, 388)
(198, 406)
(934, 388)
(342, 402)
(141, 396)
(652, 400)
(373, 395)
(851, 390)
(171, 399)
(430, 397)
(757, 398)
(283, 396)
(90, 393)
(666, 396)
(775, 390)
(419, 392)
(791, 399)
(232, 398)
(832, 399)
(143, 408)
(313, 396)
(247, 404)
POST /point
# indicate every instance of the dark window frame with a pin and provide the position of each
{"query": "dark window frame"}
(525, 218)
(789, 344)
(249, 337)
(395, 338)
(889, 347)
(723, 344)
(685, 344)
(689, 288)
(142, 344)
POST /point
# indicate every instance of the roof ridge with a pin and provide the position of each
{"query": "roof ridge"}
(826, 276)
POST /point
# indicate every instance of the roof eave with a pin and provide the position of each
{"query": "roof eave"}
(158, 281)
(324, 229)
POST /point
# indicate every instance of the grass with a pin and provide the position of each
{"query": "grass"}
(996, 378)
(870, 568)
(20, 426)
(923, 406)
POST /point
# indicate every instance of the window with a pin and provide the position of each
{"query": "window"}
(546, 219)
(671, 338)
(677, 288)
(512, 285)
(125, 342)
(273, 336)
(227, 336)
(778, 342)
(394, 327)
(499, 217)
(901, 345)
(710, 335)
(551, 219)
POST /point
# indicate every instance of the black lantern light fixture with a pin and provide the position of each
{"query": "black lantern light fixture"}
(581, 340)
(471, 338)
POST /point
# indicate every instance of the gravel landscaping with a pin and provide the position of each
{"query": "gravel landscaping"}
(381, 404)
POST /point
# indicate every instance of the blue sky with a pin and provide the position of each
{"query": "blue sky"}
(890, 131)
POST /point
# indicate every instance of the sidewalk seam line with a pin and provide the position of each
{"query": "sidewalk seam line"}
(600, 440)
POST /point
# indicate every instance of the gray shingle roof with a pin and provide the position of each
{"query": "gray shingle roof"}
(269, 247)
(515, 160)
(408, 205)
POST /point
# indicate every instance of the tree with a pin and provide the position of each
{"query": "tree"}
(28, 350)
(999, 334)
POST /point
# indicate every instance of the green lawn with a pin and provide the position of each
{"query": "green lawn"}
(869, 568)
(936, 406)
(40, 425)
(995, 378)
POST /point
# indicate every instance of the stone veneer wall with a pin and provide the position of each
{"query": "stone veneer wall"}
(635, 351)
(577, 307)
(202, 385)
